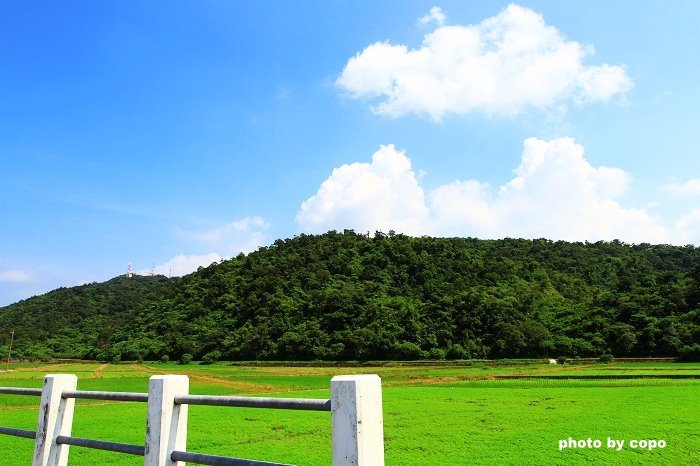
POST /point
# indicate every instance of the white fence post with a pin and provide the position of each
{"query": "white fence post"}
(357, 421)
(55, 418)
(166, 426)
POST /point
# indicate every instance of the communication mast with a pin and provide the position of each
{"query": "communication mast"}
(129, 272)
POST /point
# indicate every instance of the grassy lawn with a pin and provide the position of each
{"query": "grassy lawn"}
(438, 415)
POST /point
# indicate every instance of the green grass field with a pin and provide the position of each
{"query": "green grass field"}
(437, 415)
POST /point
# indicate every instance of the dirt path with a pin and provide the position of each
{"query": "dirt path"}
(97, 373)
(213, 380)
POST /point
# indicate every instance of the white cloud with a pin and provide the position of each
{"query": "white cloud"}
(383, 194)
(601, 83)
(501, 66)
(558, 194)
(244, 235)
(688, 227)
(463, 208)
(689, 188)
(555, 193)
(14, 276)
(434, 16)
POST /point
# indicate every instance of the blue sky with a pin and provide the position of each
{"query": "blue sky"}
(173, 134)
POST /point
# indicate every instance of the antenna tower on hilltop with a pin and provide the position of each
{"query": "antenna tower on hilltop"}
(129, 271)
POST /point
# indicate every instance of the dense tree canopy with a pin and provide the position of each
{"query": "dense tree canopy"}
(346, 296)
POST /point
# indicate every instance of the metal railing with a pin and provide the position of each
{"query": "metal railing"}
(77, 441)
(255, 402)
(355, 406)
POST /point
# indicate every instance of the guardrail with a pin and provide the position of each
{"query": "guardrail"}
(357, 429)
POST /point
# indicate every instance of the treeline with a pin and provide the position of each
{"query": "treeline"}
(346, 296)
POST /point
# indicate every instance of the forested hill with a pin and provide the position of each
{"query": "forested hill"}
(345, 296)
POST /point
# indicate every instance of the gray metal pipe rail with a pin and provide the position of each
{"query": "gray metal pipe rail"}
(18, 432)
(92, 395)
(213, 460)
(307, 404)
(108, 396)
(101, 445)
(20, 391)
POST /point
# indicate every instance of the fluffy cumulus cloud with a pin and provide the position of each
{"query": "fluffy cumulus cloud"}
(383, 194)
(688, 227)
(501, 66)
(243, 235)
(555, 193)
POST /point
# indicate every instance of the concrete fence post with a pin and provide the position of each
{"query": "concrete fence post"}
(357, 421)
(55, 418)
(166, 426)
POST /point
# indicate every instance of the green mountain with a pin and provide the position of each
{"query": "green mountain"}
(346, 296)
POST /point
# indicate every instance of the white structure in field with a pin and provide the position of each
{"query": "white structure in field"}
(358, 426)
